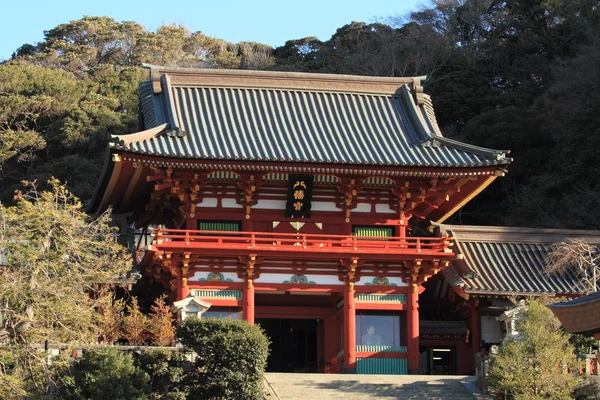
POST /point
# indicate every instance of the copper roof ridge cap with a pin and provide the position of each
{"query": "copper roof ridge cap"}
(284, 74)
(123, 140)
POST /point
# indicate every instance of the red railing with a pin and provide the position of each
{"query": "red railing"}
(269, 241)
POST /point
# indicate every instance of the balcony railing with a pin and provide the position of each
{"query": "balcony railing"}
(181, 239)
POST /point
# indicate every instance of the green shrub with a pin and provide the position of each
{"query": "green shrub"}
(107, 374)
(231, 358)
(165, 369)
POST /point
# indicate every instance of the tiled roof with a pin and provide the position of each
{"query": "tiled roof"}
(294, 117)
(511, 260)
(442, 328)
(581, 315)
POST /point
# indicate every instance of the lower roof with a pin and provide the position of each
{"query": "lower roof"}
(580, 315)
(511, 261)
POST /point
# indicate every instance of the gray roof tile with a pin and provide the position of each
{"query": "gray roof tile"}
(230, 122)
(512, 260)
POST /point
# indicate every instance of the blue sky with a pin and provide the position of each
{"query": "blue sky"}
(266, 21)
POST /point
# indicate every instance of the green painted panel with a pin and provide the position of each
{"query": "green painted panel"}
(388, 298)
(223, 176)
(376, 231)
(231, 294)
(224, 226)
(382, 366)
(373, 181)
(378, 348)
(273, 177)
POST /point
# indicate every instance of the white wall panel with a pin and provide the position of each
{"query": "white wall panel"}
(208, 202)
(230, 203)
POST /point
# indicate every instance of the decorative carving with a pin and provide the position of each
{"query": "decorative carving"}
(249, 183)
(299, 279)
(248, 267)
(216, 277)
(349, 188)
(380, 281)
(348, 273)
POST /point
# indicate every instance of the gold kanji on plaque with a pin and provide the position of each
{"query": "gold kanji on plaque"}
(299, 194)
(298, 206)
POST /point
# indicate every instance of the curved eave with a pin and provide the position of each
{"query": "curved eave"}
(123, 181)
(581, 315)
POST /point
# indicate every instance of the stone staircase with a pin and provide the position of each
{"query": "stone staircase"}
(281, 386)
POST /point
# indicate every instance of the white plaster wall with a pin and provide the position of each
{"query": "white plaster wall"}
(324, 206)
(230, 203)
(384, 209)
(265, 204)
(362, 208)
(279, 278)
(208, 202)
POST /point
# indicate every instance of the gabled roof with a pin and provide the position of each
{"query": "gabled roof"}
(510, 261)
(294, 117)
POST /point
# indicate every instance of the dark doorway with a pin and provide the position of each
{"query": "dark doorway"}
(293, 344)
(438, 360)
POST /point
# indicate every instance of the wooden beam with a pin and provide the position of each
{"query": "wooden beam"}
(114, 177)
(133, 182)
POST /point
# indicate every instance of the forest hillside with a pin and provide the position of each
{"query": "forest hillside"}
(519, 75)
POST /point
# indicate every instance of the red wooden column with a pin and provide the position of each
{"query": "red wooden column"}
(248, 301)
(182, 288)
(248, 291)
(412, 336)
(349, 328)
(475, 328)
(332, 345)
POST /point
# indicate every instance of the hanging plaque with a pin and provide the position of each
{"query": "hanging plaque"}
(299, 196)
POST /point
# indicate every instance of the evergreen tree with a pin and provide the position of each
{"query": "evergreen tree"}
(538, 363)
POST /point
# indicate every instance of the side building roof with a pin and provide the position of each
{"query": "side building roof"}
(580, 315)
(510, 261)
(294, 117)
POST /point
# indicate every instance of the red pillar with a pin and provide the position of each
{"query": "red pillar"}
(412, 336)
(183, 291)
(349, 329)
(331, 339)
(182, 288)
(248, 302)
(475, 329)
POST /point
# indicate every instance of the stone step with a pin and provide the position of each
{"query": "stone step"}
(363, 387)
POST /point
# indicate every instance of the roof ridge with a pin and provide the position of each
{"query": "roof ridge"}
(482, 233)
(484, 151)
(249, 72)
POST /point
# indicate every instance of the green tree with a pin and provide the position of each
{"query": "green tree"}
(110, 319)
(135, 323)
(231, 358)
(162, 330)
(58, 262)
(537, 364)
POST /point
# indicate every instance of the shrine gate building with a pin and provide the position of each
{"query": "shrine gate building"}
(293, 200)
